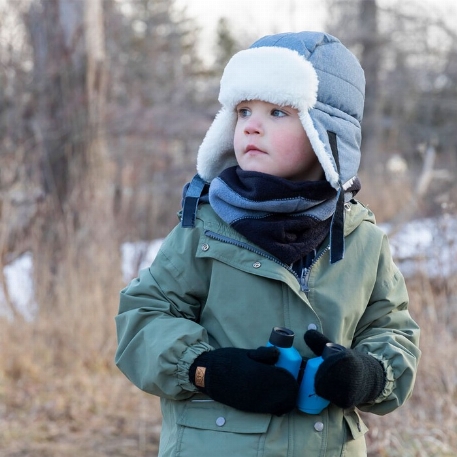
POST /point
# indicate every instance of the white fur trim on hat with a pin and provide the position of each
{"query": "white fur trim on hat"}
(216, 152)
(273, 74)
(277, 75)
(319, 149)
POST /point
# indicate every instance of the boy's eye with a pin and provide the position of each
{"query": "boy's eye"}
(243, 112)
(278, 113)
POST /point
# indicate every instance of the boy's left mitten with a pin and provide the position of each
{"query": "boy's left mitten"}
(245, 379)
(347, 377)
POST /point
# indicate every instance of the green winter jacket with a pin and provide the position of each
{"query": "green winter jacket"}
(209, 287)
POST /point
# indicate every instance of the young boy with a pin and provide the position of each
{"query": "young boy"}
(277, 240)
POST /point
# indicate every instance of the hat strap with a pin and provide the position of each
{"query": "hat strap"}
(192, 193)
(337, 225)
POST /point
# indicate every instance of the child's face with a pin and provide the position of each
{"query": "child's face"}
(271, 139)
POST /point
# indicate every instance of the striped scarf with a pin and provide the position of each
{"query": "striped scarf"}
(288, 219)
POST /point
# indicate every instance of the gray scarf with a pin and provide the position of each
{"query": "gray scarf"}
(288, 219)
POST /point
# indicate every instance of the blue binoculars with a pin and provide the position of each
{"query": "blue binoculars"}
(290, 359)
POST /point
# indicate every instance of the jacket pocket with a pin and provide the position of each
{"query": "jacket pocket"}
(210, 428)
(355, 444)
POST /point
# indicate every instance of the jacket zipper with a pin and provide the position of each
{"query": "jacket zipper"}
(304, 277)
(302, 280)
(240, 244)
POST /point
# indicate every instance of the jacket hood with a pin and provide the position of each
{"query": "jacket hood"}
(311, 71)
(355, 214)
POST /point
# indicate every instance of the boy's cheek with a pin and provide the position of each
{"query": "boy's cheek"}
(238, 147)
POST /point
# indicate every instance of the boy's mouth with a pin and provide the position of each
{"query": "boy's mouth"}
(253, 148)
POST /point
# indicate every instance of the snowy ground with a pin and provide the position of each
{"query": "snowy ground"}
(18, 278)
(427, 246)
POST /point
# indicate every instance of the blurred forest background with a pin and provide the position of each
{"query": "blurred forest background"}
(103, 104)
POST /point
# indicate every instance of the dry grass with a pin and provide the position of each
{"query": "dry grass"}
(78, 414)
(61, 395)
(426, 425)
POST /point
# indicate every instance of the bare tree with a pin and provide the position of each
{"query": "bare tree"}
(69, 103)
(156, 112)
(370, 60)
(101, 117)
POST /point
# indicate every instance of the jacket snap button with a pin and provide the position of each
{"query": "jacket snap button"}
(220, 421)
(205, 247)
(312, 327)
(318, 426)
(256, 264)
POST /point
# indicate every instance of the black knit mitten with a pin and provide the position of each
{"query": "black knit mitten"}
(346, 378)
(245, 379)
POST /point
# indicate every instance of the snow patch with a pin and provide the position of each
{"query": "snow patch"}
(18, 276)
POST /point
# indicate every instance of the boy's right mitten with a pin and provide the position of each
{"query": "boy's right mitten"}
(245, 379)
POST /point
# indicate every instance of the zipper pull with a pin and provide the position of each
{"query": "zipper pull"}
(304, 280)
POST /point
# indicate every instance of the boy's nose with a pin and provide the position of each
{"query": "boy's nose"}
(253, 126)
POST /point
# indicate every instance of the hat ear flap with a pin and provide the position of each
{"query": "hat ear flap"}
(328, 165)
(216, 151)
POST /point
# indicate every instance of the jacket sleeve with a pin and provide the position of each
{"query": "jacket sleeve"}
(388, 333)
(157, 325)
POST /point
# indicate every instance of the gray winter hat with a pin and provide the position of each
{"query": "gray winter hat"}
(310, 71)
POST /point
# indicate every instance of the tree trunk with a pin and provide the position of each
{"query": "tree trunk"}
(76, 242)
(370, 61)
(100, 176)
